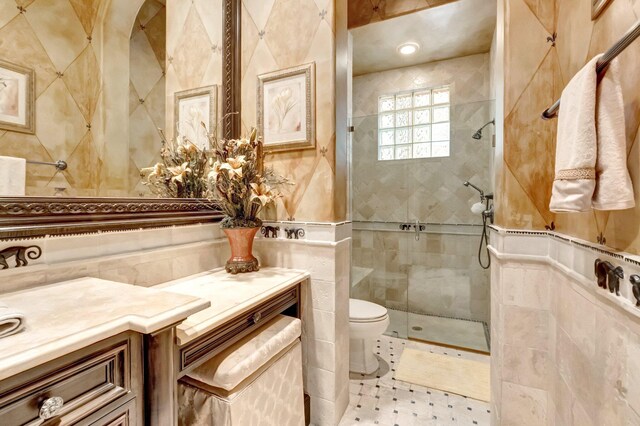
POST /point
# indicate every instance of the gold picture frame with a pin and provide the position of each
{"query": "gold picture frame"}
(17, 98)
(193, 106)
(597, 7)
(287, 108)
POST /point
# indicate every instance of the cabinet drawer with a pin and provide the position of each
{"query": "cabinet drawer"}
(122, 416)
(87, 381)
(204, 348)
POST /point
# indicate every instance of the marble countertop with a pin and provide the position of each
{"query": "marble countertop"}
(64, 317)
(229, 295)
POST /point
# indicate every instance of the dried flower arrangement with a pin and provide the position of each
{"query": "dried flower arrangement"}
(182, 172)
(236, 183)
(228, 173)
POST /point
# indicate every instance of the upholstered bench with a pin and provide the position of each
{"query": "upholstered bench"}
(257, 381)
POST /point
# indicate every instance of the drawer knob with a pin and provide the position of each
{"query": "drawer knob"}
(256, 317)
(50, 407)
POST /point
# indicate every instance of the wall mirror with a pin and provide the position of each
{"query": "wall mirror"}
(87, 89)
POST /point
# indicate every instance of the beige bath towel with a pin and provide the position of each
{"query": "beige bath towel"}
(12, 176)
(11, 321)
(591, 161)
(614, 190)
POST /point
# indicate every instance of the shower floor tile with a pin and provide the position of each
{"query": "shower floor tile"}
(380, 399)
(448, 331)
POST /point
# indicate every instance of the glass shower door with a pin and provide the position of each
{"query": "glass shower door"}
(380, 205)
(448, 291)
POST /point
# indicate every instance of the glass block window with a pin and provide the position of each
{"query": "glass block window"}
(414, 124)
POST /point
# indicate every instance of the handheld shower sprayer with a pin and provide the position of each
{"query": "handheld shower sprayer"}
(478, 134)
(487, 215)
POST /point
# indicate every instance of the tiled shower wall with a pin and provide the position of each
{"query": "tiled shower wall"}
(437, 275)
(429, 190)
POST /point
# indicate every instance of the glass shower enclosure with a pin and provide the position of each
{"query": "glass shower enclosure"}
(415, 236)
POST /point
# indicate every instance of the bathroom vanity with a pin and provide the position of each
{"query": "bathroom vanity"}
(105, 353)
(81, 356)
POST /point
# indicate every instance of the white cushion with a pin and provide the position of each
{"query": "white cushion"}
(230, 367)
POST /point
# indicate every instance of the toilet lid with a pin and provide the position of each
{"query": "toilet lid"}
(361, 310)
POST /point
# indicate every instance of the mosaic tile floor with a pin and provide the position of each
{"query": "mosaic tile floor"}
(379, 399)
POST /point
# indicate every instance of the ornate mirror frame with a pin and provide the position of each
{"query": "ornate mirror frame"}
(32, 217)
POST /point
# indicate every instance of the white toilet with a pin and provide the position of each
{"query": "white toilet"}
(367, 321)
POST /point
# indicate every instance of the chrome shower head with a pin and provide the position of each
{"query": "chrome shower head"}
(467, 183)
(478, 134)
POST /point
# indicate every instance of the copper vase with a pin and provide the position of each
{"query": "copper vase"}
(241, 242)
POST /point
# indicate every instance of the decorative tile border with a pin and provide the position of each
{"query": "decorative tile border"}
(572, 256)
(598, 248)
(308, 231)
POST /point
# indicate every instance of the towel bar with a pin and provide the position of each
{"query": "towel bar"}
(602, 64)
(60, 165)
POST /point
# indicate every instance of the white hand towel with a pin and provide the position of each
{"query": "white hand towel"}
(11, 321)
(13, 175)
(614, 190)
(591, 158)
(576, 145)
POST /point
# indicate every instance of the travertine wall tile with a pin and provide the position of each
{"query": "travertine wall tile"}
(584, 365)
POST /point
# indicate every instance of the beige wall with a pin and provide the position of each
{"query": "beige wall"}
(80, 52)
(194, 49)
(278, 35)
(53, 38)
(535, 74)
(146, 90)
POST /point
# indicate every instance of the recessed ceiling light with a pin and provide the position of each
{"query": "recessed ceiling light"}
(408, 48)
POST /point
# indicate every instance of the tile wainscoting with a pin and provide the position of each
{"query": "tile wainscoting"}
(564, 351)
(153, 256)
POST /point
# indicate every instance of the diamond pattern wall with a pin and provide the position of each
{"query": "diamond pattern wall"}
(278, 34)
(63, 42)
(535, 74)
(147, 89)
(54, 38)
(194, 49)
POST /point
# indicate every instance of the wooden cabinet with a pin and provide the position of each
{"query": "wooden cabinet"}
(84, 387)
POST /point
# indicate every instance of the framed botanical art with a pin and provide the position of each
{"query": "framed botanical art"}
(196, 112)
(597, 7)
(17, 98)
(287, 108)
